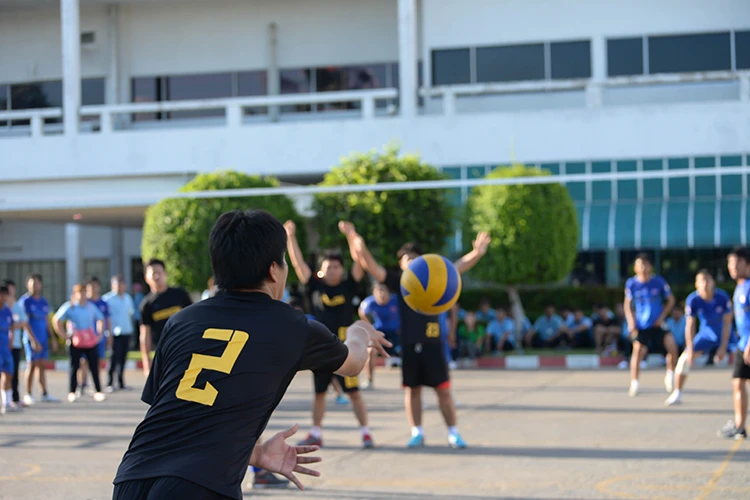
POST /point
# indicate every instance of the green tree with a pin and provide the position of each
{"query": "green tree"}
(176, 230)
(387, 219)
(534, 231)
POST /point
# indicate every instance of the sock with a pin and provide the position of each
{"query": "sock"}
(4, 401)
(8, 396)
(416, 431)
(670, 373)
(365, 430)
(634, 383)
(315, 432)
(452, 430)
(677, 393)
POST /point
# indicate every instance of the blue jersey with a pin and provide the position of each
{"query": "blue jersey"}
(6, 321)
(648, 298)
(385, 317)
(102, 306)
(81, 317)
(742, 312)
(37, 311)
(710, 313)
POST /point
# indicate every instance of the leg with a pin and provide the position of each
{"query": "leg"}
(447, 406)
(599, 334)
(83, 372)
(635, 359)
(93, 356)
(413, 404)
(16, 374)
(671, 347)
(30, 369)
(682, 369)
(319, 409)
(122, 342)
(739, 388)
(75, 365)
(359, 407)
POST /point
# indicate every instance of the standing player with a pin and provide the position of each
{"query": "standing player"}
(157, 307)
(93, 295)
(332, 295)
(121, 310)
(738, 266)
(423, 362)
(382, 307)
(37, 309)
(21, 332)
(713, 308)
(221, 368)
(653, 301)
(6, 358)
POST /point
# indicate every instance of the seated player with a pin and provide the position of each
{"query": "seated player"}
(485, 313)
(713, 308)
(676, 325)
(578, 330)
(382, 307)
(221, 368)
(607, 328)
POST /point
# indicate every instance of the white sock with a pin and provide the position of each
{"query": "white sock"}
(4, 398)
(8, 396)
(364, 430)
(452, 430)
(315, 432)
(634, 383)
(670, 373)
(676, 393)
(416, 431)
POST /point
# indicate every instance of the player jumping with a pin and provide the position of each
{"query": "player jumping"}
(713, 308)
(423, 361)
(653, 301)
(332, 295)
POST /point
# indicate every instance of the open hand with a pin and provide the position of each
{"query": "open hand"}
(276, 455)
(720, 354)
(290, 227)
(347, 228)
(482, 242)
(377, 338)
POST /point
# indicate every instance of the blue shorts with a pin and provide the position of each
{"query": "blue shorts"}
(103, 348)
(31, 355)
(6, 361)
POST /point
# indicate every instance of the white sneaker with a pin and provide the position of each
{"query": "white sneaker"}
(669, 382)
(633, 391)
(72, 396)
(674, 399)
(48, 398)
(28, 400)
(99, 397)
(2, 409)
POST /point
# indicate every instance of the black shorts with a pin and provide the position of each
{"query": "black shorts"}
(323, 379)
(741, 370)
(163, 488)
(424, 364)
(653, 338)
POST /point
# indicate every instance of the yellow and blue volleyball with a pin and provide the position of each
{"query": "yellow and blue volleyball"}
(431, 284)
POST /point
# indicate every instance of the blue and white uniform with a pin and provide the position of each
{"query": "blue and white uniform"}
(710, 314)
(6, 357)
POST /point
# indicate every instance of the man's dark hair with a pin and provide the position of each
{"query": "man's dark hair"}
(704, 272)
(330, 255)
(742, 253)
(156, 262)
(93, 279)
(409, 248)
(9, 283)
(118, 278)
(243, 246)
(549, 304)
(4, 288)
(34, 276)
(644, 257)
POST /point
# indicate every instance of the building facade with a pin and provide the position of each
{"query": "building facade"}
(107, 106)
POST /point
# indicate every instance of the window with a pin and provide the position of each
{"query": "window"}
(205, 86)
(510, 63)
(252, 83)
(704, 221)
(651, 224)
(627, 189)
(349, 78)
(625, 56)
(554, 168)
(92, 91)
(4, 101)
(601, 190)
(687, 53)
(625, 225)
(570, 60)
(451, 67)
(147, 89)
(599, 225)
(742, 49)
(677, 224)
(730, 232)
(296, 81)
(731, 185)
(653, 188)
(34, 96)
(679, 187)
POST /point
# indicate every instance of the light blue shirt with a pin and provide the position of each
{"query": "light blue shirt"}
(19, 316)
(548, 327)
(678, 329)
(499, 328)
(81, 317)
(121, 311)
(137, 299)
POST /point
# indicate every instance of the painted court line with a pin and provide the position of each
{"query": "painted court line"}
(719, 472)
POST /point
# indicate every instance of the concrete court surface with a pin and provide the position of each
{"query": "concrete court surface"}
(536, 435)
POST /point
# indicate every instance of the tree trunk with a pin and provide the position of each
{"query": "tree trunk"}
(518, 314)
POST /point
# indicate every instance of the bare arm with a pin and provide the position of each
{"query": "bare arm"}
(358, 337)
(726, 330)
(100, 327)
(295, 253)
(627, 306)
(667, 309)
(59, 326)
(145, 338)
(690, 327)
(362, 315)
(360, 253)
(480, 244)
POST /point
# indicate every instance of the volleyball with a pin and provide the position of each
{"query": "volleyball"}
(431, 284)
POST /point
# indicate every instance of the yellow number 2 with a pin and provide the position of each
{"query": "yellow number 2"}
(236, 340)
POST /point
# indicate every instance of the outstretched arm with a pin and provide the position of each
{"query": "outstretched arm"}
(480, 244)
(360, 253)
(295, 253)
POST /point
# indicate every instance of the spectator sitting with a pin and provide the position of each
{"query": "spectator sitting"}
(599, 311)
(485, 314)
(579, 330)
(500, 333)
(607, 328)
(547, 330)
(567, 316)
(472, 336)
(676, 324)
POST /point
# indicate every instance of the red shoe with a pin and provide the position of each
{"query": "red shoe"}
(311, 441)
(367, 441)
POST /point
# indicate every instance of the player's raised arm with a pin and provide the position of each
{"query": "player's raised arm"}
(480, 244)
(295, 253)
(360, 253)
(347, 229)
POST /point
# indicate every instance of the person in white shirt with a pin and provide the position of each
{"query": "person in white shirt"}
(121, 311)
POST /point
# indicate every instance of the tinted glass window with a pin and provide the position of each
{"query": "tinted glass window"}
(742, 49)
(450, 67)
(296, 81)
(510, 63)
(34, 96)
(625, 56)
(185, 87)
(146, 89)
(687, 53)
(92, 91)
(252, 83)
(4, 101)
(571, 59)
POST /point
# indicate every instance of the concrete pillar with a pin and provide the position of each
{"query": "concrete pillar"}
(273, 78)
(407, 56)
(73, 256)
(595, 89)
(113, 74)
(71, 63)
(612, 264)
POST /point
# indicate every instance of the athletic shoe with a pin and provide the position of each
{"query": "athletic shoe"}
(342, 400)
(633, 391)
(99, 397)
(311, 441)
(456, 441)
(2, 409)
(28, 400)
(72, 396)
(367, 441)
(416, 441)
(13, 407)
(48, 398)
(674, 399)
(669, 382)
(266, 480)
(729, 431)
(366, 385)
(109, 389)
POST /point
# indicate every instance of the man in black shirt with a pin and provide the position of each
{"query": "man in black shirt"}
(332, 293)
(423, 360)
(221, 368)
(157, 307)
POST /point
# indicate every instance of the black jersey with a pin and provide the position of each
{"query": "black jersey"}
(220, 370)
(332, 305)
(157, 308)
(416, 328)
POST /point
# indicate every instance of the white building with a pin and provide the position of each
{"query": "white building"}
(171, 88)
